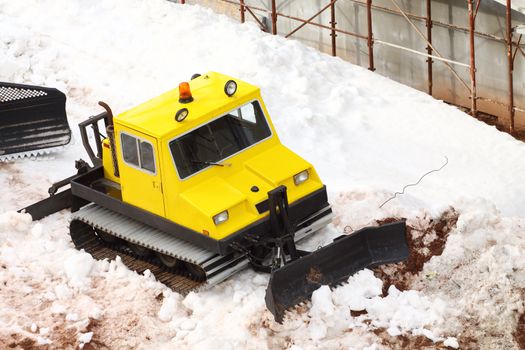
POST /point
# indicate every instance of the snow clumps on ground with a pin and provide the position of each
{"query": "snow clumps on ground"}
(366, 135)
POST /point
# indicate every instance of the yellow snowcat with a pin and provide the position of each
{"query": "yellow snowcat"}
(195, 185)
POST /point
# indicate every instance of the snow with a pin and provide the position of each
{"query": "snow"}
(168, 308)
(84, 338)
(77, 268)
(451, 342)
(366, 135)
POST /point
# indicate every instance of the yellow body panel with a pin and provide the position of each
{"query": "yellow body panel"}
(140, 188)
(156, 117)
(107, 162)
(195, 200)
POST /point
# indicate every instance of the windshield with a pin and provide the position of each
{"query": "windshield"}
(211, 143)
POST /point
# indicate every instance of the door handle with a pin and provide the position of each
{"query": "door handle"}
(157, 185)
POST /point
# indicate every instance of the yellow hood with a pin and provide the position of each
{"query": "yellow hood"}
(277, 165)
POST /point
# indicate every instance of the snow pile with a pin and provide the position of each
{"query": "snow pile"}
(367, 137)
(483, 270)
(398, 312)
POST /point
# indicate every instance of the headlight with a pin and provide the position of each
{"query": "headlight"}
(301, 177)
(220, 218)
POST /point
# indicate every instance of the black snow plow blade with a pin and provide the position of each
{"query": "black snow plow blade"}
(32, 120)
(334, 263)
(49, 205)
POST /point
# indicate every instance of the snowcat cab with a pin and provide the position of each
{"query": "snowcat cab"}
(196, 183)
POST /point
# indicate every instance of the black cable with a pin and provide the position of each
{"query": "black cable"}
(414, 184)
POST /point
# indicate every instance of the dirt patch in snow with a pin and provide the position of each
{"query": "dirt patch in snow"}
(60, 336)
(14, 176)
(420, 342)
(426, 238)
(96, 342)
(519, 334)
(17, 341)
(415, 342)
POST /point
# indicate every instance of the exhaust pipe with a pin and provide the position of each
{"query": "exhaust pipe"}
(111, 136)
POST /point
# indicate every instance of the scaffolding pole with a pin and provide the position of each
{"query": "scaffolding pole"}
(274, 18)
(333, 34)
(243, 10)
(370, 38)
(510, 58)
(429, 47)
(472, 19)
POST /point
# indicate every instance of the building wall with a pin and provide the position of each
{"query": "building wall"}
(406, 67)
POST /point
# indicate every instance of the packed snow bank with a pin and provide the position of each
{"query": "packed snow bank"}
(366, 135)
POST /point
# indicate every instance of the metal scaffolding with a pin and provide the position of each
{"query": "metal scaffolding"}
(432, 54)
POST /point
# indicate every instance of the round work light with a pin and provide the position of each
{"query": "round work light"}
(181, 114)
(230, 88)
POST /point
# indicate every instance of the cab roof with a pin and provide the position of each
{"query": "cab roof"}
(156, 117)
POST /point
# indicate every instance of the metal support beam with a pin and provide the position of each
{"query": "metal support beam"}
(250, 9)
(517, 48)
(429, 48)
(432, 54)
(332, 24)
(263, 26)
(370, 38)
(243, 10)
(429, 44)
(309, 20)
(472, 24)
(441, 59)
(274, 18)
(510, 58)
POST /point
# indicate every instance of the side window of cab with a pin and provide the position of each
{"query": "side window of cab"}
(246, 113)
(138, 153)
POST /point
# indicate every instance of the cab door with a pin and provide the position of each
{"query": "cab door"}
(140, 173)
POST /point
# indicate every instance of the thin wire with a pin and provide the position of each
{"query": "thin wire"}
(414, 184)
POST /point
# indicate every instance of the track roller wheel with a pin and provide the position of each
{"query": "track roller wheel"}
(195, 271)
(167, 260)
(106, 237)
(139, 250)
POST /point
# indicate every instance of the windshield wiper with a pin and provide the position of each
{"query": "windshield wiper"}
(206, 162)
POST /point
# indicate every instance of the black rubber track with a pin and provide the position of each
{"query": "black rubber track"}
(84, 237)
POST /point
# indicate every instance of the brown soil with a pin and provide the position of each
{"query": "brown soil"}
(419, 342)
(314, 275)
(467, 343)
(14, 176)
(358, 313)
(519, 334)
(407, 341)
(17, 341)
(421, 250)
(60, 336)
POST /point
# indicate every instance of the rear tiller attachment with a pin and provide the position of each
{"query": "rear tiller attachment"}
(32, 121)
(296, 274)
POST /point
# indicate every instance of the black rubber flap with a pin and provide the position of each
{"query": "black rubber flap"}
(334, 263)
(31, 118)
